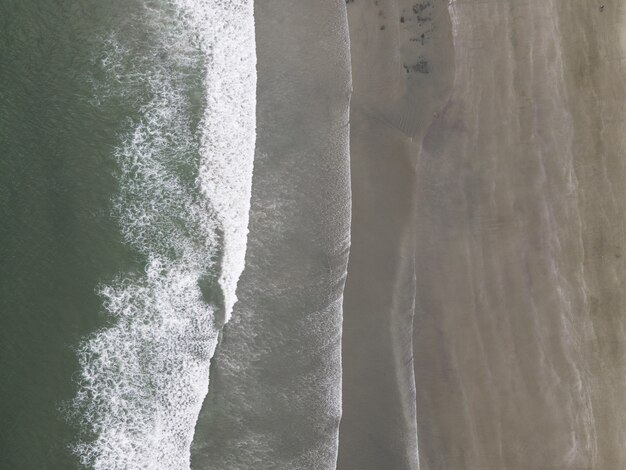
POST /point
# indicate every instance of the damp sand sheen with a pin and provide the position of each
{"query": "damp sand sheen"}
(189, 184)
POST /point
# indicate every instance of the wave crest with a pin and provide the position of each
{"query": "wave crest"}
(183, 204)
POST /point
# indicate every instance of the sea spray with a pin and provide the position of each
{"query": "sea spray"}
(185, 168)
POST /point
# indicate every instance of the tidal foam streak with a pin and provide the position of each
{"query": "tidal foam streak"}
(183, 204)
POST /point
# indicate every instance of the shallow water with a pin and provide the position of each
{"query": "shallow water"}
(275, 397)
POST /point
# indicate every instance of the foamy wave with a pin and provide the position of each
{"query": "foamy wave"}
(143, 380)
(229, 125)
(183, 203)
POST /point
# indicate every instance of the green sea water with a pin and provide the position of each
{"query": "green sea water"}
(58, 239)
(127, 137)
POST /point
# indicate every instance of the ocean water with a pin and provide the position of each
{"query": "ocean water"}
(275, 395)
(129, 132)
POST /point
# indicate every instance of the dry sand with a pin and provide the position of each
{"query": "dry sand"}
(501, 171)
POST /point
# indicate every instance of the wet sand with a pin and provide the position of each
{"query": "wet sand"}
(501, 171)
(594, 53)
(501, 325)
(400, 78)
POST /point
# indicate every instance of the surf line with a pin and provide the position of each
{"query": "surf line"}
(143, 379)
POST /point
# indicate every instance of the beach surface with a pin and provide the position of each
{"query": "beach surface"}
(488, 189)
(401, 76)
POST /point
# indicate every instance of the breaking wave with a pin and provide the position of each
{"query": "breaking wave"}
(185, 169)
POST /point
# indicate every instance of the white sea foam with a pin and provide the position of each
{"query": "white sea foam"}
(183, 203)
(229, 125)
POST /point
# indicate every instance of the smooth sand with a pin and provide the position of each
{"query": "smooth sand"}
(594, 52)
(400, 79)
(504, 165)
(500, 304)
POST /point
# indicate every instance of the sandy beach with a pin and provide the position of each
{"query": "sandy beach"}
(594, 50)
(501, 324)
(401, 77)
(490, 150)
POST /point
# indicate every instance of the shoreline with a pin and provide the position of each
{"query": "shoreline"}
(401, 55)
